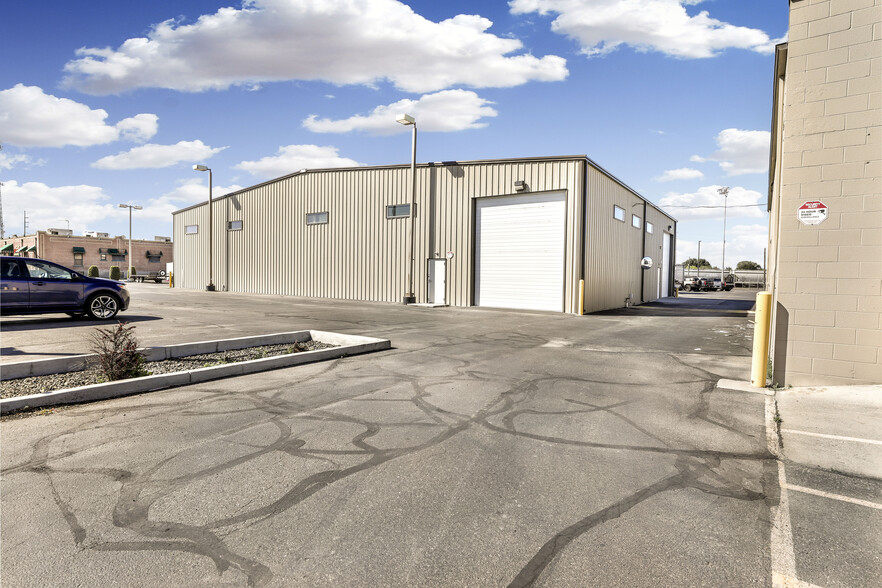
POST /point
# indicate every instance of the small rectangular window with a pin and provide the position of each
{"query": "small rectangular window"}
(619, 213)
(117, 258)
(154, 259)
(635, 221)
(234, 225)
(191, 229)
(317, 218)
(103, 257)
(78, 259)
(398, 211)
(649, 228)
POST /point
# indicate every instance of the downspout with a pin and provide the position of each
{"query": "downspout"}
(643, 253)
(584, 232)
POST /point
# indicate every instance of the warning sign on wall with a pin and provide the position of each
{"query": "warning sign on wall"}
(812, 213)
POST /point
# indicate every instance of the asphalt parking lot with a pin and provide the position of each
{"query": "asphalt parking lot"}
(487, 448)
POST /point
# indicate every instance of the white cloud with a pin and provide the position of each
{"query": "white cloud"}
(156, 156)
(138, 128)
(8, 161)
(683, 173)
(337, 41)
(292, 158)
(740, 152)
(707, 202)
(602, 26)
(31, 118)
(188, 192)
(448, 110)
(51, 206)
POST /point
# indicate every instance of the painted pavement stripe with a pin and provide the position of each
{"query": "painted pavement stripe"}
(839, 497)
(837, 437)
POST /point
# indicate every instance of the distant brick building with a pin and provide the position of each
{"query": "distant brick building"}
(99, 249)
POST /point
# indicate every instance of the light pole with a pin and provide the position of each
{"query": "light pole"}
(698, 261)
(409, 297)
(202, 168)
(130, 207)
(725, 192)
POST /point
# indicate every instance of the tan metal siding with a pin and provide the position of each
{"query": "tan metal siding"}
(614, 248)
(359, 254)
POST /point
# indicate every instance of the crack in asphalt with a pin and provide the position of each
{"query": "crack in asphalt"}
(138, 492)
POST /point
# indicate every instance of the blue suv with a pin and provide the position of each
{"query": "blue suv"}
(36, 286)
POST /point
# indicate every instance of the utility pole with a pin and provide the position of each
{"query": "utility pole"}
(25, 223)
(725, 192)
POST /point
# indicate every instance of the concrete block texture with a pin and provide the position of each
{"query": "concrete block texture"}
(852, 36)
(832, 24)
(846, 6)
(806, 13)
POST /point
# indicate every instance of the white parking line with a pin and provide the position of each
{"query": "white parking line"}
(839, 497)
(837, 437)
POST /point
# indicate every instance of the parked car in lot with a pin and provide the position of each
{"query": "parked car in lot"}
(37, 286)
(696, 284)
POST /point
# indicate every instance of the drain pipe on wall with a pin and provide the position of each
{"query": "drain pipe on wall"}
(584, 229)
(643, 254)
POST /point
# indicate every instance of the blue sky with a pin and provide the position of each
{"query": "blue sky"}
(111, 102)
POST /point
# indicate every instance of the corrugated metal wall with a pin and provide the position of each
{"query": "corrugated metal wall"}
(360, 253)
(615, 248)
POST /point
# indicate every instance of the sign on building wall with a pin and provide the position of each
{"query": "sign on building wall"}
(813, 212)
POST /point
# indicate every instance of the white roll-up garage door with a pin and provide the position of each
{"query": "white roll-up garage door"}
(519, 255)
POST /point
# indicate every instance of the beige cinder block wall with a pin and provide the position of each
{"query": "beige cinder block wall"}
(827, 278)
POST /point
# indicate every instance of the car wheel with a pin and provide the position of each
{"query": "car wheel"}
(103, 306)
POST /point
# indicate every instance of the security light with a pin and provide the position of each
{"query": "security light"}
(405, 119)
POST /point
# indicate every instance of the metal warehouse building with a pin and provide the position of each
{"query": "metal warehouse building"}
(514, 233)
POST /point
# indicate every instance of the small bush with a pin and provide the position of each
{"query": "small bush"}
(114, 272)
(132, 272)
(117, 352)
(93, 271)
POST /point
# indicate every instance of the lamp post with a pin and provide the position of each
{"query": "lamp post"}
(210, 286)
(409, 297)
(698, 261)
(130, 207)
(725, 192)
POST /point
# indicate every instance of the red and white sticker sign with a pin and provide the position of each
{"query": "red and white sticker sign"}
(813, 212)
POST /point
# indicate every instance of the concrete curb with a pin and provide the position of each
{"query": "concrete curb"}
(346, 345)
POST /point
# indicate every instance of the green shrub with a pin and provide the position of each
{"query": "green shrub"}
(132, 272)
(93, 271)
(116, 350)
(114, 272)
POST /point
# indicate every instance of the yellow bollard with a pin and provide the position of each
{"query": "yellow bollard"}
(581, 297)
(761, 330)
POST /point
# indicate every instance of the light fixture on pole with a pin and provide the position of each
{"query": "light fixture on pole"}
(202, 168)
(129, 256)
(409, 297)
(698, 261)
(725, 192)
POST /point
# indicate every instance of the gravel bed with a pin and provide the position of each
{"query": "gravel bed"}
(51, 382)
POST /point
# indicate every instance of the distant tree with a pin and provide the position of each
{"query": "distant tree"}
(693, 263)
(748, 265)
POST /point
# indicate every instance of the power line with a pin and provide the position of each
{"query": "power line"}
(709, 206)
